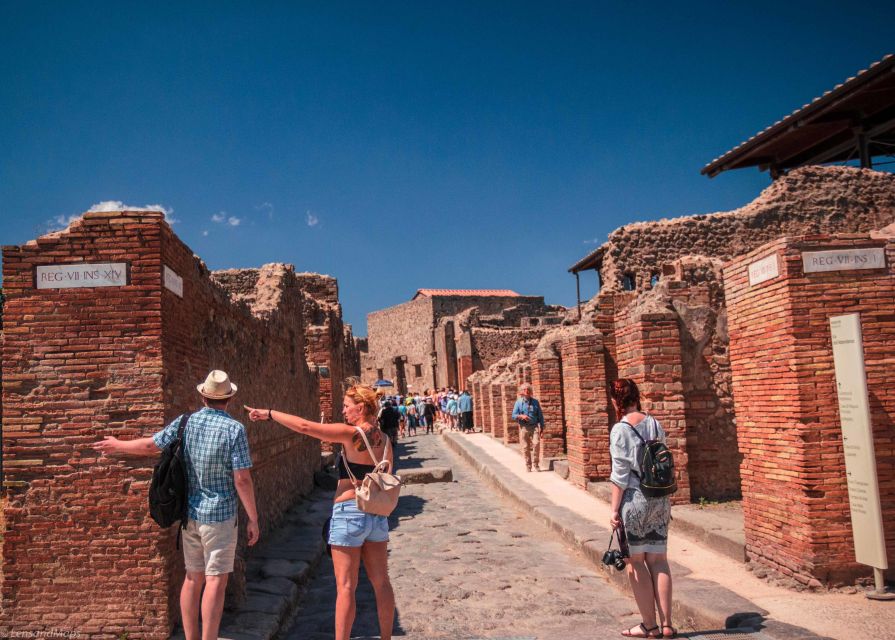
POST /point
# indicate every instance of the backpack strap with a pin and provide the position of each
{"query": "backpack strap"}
(637, 433)
(376, 463)
(181, 430)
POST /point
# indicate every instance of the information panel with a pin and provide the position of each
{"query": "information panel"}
(857, 440)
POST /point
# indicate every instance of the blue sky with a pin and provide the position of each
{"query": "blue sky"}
(405, 145)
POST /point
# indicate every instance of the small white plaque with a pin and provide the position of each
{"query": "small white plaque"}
(173, 282)
(71, 276)
(844, 260)
(763, 270)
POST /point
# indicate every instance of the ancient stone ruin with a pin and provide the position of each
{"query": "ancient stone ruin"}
(108, 327)
(441, 336)
(738, 369)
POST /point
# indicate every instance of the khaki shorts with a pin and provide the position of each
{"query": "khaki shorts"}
(209, 547)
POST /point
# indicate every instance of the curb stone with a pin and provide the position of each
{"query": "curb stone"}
(698, 604)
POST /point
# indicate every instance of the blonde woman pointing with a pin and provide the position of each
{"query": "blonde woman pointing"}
(353, 534)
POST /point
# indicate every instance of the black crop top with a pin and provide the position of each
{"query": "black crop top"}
(359, 470)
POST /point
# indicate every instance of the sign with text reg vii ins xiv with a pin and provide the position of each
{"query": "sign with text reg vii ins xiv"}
(72, 276)
(857, 441)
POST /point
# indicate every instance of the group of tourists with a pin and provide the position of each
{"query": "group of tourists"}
(400, 416)
(218, 461)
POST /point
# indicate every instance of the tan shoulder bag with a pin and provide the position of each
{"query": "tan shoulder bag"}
(380, 489)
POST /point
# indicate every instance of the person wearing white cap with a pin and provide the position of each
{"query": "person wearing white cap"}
(218, 463)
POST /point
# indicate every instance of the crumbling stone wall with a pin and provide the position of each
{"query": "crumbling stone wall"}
(80, 550)
(807, 200)
(427, 342)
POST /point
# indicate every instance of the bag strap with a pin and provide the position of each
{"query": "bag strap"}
(377, 463)
(181, 430)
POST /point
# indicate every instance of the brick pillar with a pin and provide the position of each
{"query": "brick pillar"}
(485, 390)
(497, 417)
(795, 494)
(80, 363)
(546, 378)
(584, 396)
(464, 370)
(510, 427)
(649, 352)
(476, 404)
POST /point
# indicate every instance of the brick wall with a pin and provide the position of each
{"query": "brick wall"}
(79, 546)
(795, 497)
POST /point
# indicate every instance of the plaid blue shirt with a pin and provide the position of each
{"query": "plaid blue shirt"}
(215, 447)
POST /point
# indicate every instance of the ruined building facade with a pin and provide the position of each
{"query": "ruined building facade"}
(441, 336)
(726, 331)
(82, 361)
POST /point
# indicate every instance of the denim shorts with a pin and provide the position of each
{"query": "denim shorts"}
(351, 527)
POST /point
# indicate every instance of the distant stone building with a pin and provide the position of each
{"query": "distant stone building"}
(441, 336)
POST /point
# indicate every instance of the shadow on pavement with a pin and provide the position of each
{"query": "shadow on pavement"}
(407, 456)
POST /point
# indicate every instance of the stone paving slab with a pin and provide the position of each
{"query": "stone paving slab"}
(698, 604)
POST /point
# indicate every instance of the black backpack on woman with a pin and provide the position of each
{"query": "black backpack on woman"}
(656, 467)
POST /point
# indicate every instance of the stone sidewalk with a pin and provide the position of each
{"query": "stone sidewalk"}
(711, 589)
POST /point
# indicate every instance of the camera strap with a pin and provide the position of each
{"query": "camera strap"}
(611, 537)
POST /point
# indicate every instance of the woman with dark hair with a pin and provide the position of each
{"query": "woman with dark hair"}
(644, 520)
(353, 534)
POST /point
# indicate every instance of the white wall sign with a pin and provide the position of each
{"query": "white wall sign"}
(70, 276)
(857, 441)
(173, 282)
(844, 259)
(763, 270)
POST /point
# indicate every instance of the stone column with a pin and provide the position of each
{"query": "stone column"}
(649, 352)
(546, 378)
(510, 427)
(584, 396)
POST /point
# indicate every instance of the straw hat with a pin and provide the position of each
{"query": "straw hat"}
(217, 386)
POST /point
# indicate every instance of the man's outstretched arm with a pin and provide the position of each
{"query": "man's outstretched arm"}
(111, 445)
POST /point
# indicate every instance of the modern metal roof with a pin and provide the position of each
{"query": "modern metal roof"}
(854, 120)
(497, 293)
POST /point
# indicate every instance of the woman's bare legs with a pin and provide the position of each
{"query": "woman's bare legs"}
(657, 563)
(642, 586)
(346, 564)
(375, 555)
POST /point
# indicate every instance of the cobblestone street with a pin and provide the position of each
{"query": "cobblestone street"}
(465, 564)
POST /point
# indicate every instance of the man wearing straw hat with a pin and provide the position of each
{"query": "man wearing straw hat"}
(218, 463)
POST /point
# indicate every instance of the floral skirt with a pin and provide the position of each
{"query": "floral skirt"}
(646, 521)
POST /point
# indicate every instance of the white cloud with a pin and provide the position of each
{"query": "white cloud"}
(591, 241)
(204, 233)
(267, 208)
(61, 222)
(223, 218)
(312, 219)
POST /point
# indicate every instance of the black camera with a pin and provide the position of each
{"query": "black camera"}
(616, 557)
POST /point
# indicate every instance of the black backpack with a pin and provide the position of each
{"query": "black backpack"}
(656, 466)
(169, 490)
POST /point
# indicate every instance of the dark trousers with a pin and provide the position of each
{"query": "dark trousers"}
(466, 421)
